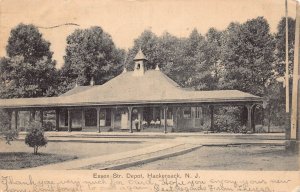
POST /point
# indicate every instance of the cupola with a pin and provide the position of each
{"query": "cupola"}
(139, 64)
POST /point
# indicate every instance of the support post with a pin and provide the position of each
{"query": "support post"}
(112, 119)
(9, 113)
(98, 119)
(33, 115)
(69, 120)
(42, 117)
(295, 116)
(165, 119)
(82, 119)
(130, 119)
(160, 117)
(287, 79)
(253, 118)
(153, 114)
(16, 119)
(293, 143)
(139, 119)
(57, 119)
(212, 128)
(249, 117)
(30, 116)
(175, 118)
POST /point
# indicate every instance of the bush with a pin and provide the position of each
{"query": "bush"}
(35, 137)
(227, 121)
(10, 135)
(4, 120)
(6, 132)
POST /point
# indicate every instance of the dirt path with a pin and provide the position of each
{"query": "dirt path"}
(234, 157)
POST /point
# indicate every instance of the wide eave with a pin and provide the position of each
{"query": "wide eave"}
(152, 88)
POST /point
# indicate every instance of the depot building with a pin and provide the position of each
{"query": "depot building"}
(138, 100)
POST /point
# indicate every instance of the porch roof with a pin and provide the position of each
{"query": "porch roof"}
(153, 87)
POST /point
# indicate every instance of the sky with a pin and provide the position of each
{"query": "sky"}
(125, 20)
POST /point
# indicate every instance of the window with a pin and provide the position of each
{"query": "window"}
(138, 66)
(66, 117)
(187, 112)
(170, 114)
(198, 112)
(90, 117)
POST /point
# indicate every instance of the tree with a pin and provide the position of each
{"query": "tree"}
(27, 41)
(90, 53)
(183, 59)
(199, 59)
(28, 71)
(148, 42)
(214, 43)
(192, 64)
(35, 137)
(247, 54)
(280, 46)
(23, 79)
(171, 51)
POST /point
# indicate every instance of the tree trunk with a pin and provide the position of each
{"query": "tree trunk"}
(35, 149)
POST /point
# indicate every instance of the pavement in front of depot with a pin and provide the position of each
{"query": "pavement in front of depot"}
(163, 146)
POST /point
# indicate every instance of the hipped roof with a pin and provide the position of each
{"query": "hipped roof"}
(153, 87)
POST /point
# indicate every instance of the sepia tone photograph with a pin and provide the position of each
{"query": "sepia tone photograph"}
(149, 85)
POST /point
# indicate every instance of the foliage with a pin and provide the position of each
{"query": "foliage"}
(35, 137)
(10, 135)
(186, 60)
(21, 160)
(148, 42)
(90, 53)
(29, 70)
(197, 59)
(280, 46)
(275, 111)
(228, 119)
(5, 128)
(4, 120)
(21, 79)
(247, 54)
(27, 41)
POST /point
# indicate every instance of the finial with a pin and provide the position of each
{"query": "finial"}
(92, 83)
(125, 60)
(76, 83)
(157, 68)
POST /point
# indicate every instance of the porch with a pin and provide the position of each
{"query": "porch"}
(180, 117)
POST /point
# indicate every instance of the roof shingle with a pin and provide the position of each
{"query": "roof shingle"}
(152, 87)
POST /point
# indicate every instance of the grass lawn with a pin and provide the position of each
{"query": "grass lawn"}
(20, 160)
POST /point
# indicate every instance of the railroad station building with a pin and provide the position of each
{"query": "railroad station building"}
(137, 100)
